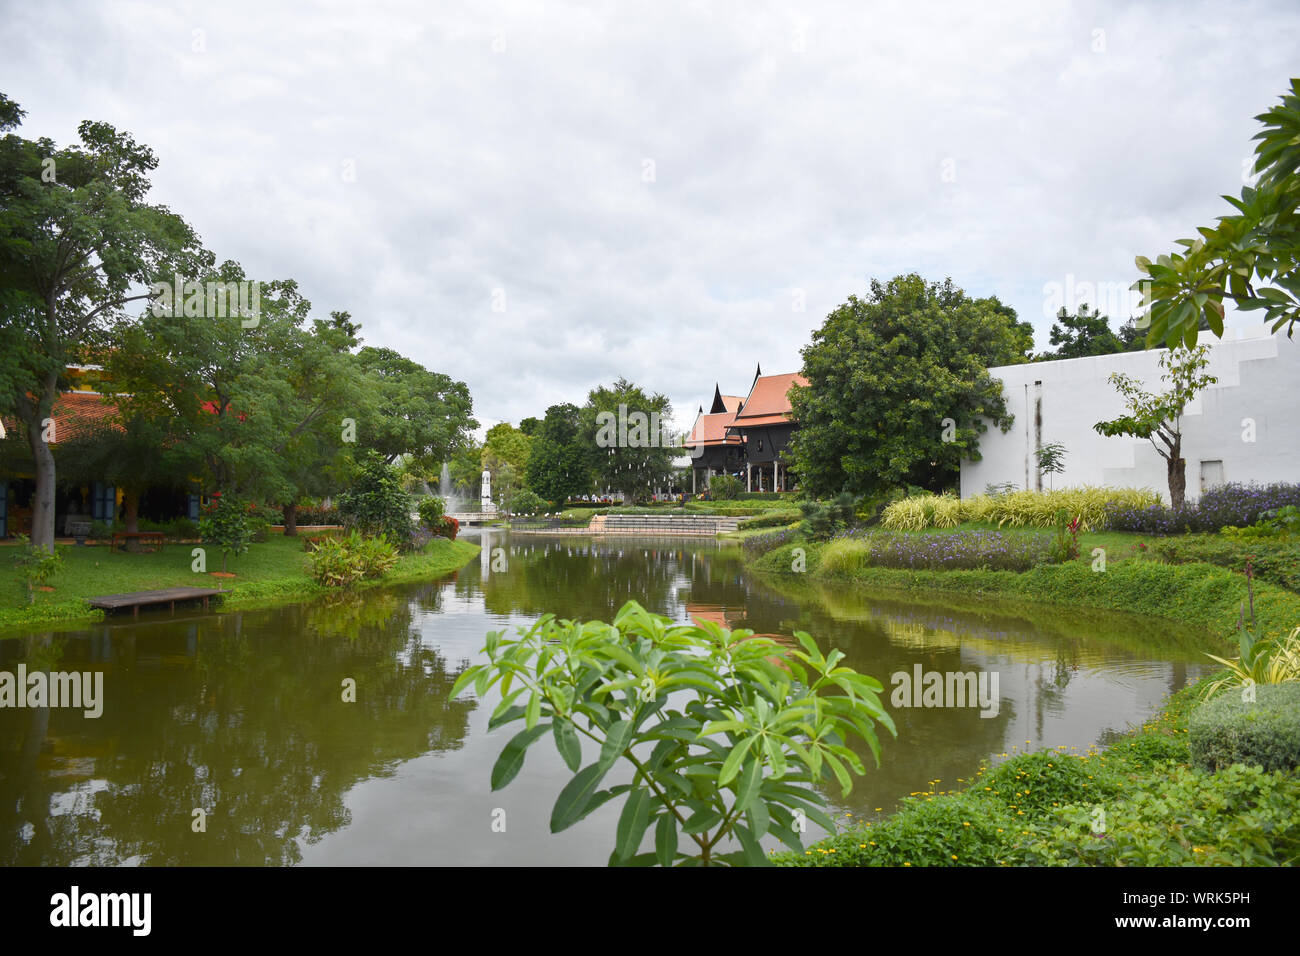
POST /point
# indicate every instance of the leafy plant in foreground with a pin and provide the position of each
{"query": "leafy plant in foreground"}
(726, 734)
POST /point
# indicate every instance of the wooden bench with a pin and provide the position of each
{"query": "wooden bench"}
(155, 538)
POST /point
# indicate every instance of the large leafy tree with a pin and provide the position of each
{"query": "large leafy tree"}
(252, 404)
(77, 242)
(559, 464)
(415, 412)
(1251, 257)
(899, 389)
(1158, 417)
(625, 450)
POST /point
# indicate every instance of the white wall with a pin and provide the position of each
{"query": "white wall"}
(1258, 378)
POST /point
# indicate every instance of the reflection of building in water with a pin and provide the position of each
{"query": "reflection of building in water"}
(730, 619)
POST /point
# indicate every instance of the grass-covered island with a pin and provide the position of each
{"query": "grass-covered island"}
(277, 569)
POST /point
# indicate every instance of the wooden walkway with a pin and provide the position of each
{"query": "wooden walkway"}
(137, 599)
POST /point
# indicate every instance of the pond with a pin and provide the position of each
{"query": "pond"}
(226, 738)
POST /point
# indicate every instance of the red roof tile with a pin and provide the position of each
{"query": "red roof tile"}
(75, 414)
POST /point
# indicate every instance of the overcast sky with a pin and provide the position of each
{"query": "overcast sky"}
(540, 197)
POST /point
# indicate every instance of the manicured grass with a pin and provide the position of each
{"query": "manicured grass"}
(274, 570)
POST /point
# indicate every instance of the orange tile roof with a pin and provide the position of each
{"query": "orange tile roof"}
(74, 413)
(768, 403)
(712, 430)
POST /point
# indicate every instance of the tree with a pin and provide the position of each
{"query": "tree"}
(899, 388)
(1158, 418)
(1051, 458)
(628, 448)
(415, 412)
(76, 239)
(249, 402)
(375, 502)
(1251, 257)
(530, 426)
(559, 463)
(1081, 335)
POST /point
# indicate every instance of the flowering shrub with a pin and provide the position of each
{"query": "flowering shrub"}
(448, 527)
(1034, 509)
(992, 550)
(763, 543)
(1234, 505)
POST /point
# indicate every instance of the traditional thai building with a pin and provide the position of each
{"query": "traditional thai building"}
(713, 451)
(764, 424)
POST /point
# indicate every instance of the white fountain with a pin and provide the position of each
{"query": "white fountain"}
(452, 503)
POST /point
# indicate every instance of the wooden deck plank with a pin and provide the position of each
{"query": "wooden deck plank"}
(165, 596)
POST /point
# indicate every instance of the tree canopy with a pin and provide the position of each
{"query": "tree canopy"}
(899, 389)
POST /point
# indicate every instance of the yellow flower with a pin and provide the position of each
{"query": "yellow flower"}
(954, 856)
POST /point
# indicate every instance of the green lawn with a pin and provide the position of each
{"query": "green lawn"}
(273, 570)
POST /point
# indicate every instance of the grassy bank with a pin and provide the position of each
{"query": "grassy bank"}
(1138, 802)
(270, 572)
(1198, 595)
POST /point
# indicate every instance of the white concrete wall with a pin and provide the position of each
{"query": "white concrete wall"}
(1258, 378)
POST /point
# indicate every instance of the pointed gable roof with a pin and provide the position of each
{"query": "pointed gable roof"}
(767, 402)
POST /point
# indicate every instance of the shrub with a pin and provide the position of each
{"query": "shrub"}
(725, 487)
(431, 508)
(947, 551)
(845, 555)
(337, 561)
(312, 541)
(763, 543)
(334, 564)
(1038, 782)
(1037, 509)
(183, 528)
(376, 503)
(1065, 546)
(1263, 732)
(227, 524)
(317, 516)
(448, 528)
(1276, 560)
(527, 502)
(950, 830)
(773, 519)
(727, 733)
(1231, 505)
(35, 565)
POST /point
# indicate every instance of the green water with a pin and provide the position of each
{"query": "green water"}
(243, 717)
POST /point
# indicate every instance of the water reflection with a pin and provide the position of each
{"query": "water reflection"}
(243, 715)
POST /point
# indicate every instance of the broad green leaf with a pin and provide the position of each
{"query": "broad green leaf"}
(617, 737)
(572, 803)
(512, 755)
(731, 766)
(632, 823)
(751, 779)
(567, 743)
(666, 839)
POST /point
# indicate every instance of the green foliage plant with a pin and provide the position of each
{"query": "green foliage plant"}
(1260, 729)
(226, 523)
(727, 735)
(35, 565)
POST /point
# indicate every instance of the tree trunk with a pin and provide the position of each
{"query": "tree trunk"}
(1177, 480)
(43, 499)
(131, 500)
(291, 520)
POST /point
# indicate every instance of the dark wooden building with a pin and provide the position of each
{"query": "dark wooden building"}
(764, 425)
(713, 451)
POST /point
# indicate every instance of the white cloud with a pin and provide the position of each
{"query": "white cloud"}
(795, 146)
